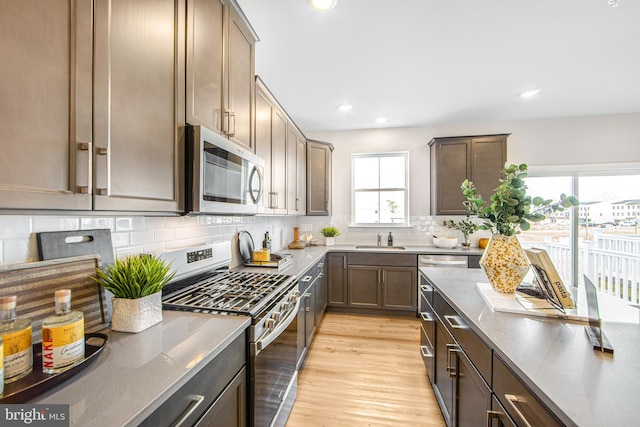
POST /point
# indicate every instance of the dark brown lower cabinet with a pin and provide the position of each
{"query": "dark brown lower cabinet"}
(518, 400)
(230, 409)
(463, 395)
(337, 279)
(216, 392)
(388, 288)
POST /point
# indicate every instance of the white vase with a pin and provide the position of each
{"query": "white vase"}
(330, 241)
(136, 315)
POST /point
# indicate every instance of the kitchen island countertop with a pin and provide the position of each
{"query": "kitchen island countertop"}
(554, 357)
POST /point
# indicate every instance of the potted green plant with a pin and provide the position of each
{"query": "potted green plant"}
(136, 283)
(466, 226)
(330, 233)
(509, 212)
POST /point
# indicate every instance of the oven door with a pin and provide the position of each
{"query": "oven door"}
(273, 369)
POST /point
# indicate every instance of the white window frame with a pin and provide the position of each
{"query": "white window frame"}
(575, 172)
(405, 223)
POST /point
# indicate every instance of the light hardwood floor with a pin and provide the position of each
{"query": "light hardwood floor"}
(365, 371)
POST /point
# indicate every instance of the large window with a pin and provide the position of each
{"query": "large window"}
(380, 188)
(601, 237)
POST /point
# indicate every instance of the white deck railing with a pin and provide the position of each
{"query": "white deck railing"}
(612, 262)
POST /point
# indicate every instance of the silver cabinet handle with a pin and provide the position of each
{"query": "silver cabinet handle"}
(426, 316)
(426, 351)
(426, 288)
(452, 364)
(427, 263)
(306, 279)
(492, 415)
(512, 400)
(344, 261)
(232, 128)
(455, 322)
(307, 295)
(320, 265)
(195, 402)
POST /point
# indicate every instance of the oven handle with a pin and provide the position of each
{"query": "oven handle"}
(268, 337)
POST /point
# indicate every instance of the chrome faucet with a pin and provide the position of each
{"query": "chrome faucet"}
(379, 239)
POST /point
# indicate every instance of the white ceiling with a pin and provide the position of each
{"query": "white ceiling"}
(428, 62)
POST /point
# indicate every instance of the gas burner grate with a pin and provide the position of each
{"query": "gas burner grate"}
(239, 292)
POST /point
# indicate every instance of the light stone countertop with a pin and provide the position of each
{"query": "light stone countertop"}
(554, 357)
(135, 373)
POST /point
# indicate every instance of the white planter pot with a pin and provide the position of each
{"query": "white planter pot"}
(136, 315)
(330, 241)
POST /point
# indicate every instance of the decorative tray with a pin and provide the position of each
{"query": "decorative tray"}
(37, 382)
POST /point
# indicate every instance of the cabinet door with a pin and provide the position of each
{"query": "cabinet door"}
(487, 161)
(443, 385)
(321, 294)
(364, 286)
(310, 309)
(399, 288)
(318, 178)
(473, 396)
(337, 279)
(278, 194)
(263, 132)
(301, 176)
(45, 106)
(296, 171)
(138, 106)
(450, 166)
(230, 409)
(205, 62)
(292, 179)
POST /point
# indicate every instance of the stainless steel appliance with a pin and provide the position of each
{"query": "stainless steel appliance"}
(221, 177)
(203, 285)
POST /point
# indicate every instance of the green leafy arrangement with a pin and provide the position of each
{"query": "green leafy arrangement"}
(511, 210)
(330, 232)
(466, 226)
(135, 276)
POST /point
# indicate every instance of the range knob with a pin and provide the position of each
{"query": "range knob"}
(269, 323)
(276, 316)
(285, 306)
(294, 296)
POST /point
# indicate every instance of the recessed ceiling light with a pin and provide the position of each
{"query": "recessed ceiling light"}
(614, 3)
(529, 93)
(381, 120)
(345, 107)
(323, 5)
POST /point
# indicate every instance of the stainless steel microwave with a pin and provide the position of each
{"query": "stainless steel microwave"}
(222, 177)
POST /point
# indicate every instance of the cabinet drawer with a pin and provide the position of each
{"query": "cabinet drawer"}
(427, 350)
(498, 417)
(520, 402)
(471, 344)
(399, 260)
(208, 383)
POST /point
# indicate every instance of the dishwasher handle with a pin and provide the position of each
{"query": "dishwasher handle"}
(442, 263)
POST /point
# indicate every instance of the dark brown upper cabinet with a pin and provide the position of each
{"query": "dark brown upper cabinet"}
(454, 159)
(319, 178)
(220, 69)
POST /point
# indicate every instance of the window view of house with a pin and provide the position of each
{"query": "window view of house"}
(380, 185)
(608, 231)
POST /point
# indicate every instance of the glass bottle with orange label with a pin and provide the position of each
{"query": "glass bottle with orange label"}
(62, 335)
(16, 334)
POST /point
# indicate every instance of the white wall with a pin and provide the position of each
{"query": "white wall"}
(570, 141)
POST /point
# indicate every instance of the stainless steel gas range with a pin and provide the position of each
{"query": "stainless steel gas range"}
(204, 284)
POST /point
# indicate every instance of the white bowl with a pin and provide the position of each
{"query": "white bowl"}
(445, 242)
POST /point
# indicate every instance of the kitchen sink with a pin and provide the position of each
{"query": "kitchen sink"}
(398, 248)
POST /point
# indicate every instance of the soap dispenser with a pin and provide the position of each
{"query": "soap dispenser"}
(390, 240)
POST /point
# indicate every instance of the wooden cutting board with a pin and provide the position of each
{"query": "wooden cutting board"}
(34, 284)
